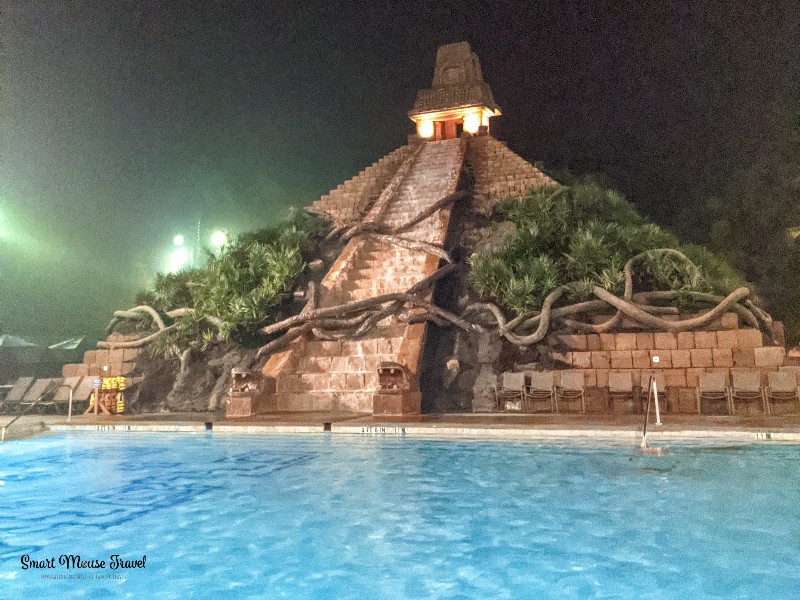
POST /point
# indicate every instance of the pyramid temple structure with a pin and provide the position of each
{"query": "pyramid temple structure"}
(398, 219)
(452, 139)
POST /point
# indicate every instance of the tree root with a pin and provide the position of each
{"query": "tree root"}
(411, 245)
(135, 343)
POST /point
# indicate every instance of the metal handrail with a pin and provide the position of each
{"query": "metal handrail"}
(652, 393)
(44, 394)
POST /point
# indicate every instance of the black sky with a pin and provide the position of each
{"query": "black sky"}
(125, 122)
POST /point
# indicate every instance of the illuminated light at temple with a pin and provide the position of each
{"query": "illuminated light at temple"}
(459, 99)
(425, 128)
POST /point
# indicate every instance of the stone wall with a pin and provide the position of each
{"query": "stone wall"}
(679, 358)
(500, 173)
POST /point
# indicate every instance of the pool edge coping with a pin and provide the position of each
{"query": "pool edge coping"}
(447, 432)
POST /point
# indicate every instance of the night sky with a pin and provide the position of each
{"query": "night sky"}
(126, 122)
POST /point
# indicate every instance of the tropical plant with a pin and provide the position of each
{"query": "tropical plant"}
(236, 291)
(584, 234)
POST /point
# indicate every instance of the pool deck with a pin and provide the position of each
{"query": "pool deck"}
(621, 427)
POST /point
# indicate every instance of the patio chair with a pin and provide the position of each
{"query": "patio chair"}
(541, 388)
(747, 388)
(511, 392)
(620, 387)
(781, 387)
(61, 397)
(572, 387)
(712, 387)
(40, 394)
(16, 394)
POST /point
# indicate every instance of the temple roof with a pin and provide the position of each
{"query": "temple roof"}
(457, 82)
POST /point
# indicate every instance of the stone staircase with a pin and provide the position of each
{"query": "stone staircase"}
(315, 375)
(350, 199)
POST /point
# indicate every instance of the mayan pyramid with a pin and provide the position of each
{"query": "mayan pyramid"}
(452, 121)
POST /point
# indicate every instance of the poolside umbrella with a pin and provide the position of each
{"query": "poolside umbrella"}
(70, 344)
(14, 341)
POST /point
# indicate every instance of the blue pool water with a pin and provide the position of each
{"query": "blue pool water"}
(348, 517)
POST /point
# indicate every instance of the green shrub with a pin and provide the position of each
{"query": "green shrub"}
(585, 234)
(242, 285)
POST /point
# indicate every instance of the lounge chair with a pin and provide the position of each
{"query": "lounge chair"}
(40, 394)
(781, 387)
(541, 388)
(747, 388)
(620, 387)
(61, 397)
(713, 387)
(511, 393)
(16, 394)
(572, 387)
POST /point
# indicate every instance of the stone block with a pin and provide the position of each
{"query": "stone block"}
(705, 339)
(287, 384)
(728, 338)
(582, 360)
(602, 377)
(601, 360)
(693, 377)
(793, 369)
(729, 321)
(247, 405)
(686, 340)
(575, 342)
(744, 357)
(69, 371)
(769, 356)
(371, 364)
(621, 359)
(664, 359)
(356, 364)
(681, 359)
(115, 356)
(641, 359)
(114, 370)
(338, 381)
(625, 341)
(592, 342)
(702, 358)
(749, 338)
(368, 347)
(665, 341)
(89, 357)
(644, 341)
(608, 341)
(675, 378)
(722, 357)
(130, 354)
(355, 381)
(406, 403)
(339, 364)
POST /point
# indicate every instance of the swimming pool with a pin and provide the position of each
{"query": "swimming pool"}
(366, 517)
